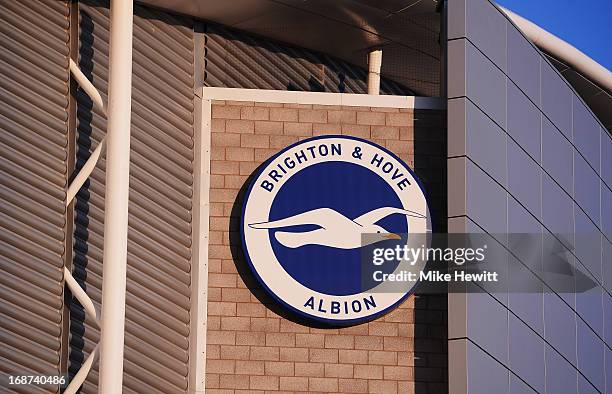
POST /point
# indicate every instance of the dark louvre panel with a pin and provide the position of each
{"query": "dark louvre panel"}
(235, 59)
(161, 182)
(34, 90)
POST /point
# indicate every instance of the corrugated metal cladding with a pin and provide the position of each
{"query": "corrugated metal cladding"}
(236, 59)
(33, 173)
(34, 144)
(161, 188)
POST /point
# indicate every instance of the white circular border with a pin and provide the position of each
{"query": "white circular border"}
(258, 247)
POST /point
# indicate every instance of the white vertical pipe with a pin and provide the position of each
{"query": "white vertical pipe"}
(374, 64)
(116, 200)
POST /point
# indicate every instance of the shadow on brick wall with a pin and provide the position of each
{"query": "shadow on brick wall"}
(245, 271)
(431, 310)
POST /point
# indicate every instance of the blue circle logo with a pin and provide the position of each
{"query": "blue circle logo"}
(313, 212)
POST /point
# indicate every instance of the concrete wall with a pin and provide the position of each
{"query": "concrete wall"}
(252, 343)
(525, 155)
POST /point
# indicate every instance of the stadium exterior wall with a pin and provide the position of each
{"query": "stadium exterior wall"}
(525, 155)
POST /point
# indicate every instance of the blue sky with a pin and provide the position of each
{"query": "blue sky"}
(586, 24)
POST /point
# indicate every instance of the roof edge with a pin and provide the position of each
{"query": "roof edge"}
(563, 51)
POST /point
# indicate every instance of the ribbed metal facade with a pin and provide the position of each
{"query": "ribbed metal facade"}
(161, 181)
(33, 174)
(236, 59)
(35, 156)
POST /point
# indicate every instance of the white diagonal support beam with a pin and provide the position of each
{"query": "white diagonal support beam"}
(99, 103)
(81, 375)
(91, 311)
(85, 172)
(78, 292)
(87, 86)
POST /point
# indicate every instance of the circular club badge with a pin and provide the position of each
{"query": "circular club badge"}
(310, 212)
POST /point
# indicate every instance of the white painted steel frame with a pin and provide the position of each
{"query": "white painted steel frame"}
(323, 98)
(201, 230)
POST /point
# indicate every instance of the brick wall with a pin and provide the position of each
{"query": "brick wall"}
(252, 343)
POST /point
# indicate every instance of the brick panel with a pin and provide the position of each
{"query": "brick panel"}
(252, 348)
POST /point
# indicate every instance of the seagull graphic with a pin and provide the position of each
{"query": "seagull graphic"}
(336, 230)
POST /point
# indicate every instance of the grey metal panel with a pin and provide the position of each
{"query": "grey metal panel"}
(589, 305)
(608, 361)
(557, 208)
(526, 353)
(485, 143)
(557, 157)
(486, 29)
(527, 306)
(161, 189)
(488, 336)
(517, 386)
(485, 375)
(455, 19)
(555, 150)
(524, 122)
(524, 178)
(597, 99)
(587, 133)
(556, 100)
(456, 81)
(590, 352)
(456, 131)
(606, 257)
(588, 243)
(560, 326)
(561, 377)
(522, 63)
(606, 158)
(33, 178)
(606, 211)
(457, 186)
(586, 184)
(236, 59)
(485, 84)
(485, 200)
(585, 387)
(457, 356)
(607, 312)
